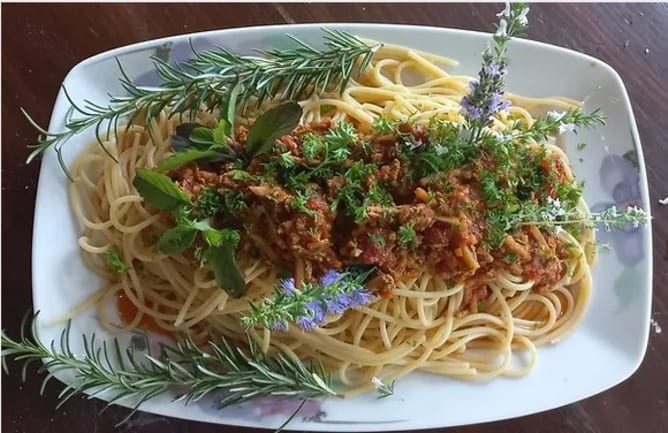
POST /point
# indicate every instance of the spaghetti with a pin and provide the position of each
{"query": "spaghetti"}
(467, 328)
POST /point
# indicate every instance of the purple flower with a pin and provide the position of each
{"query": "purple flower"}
(288, 285)
(330, 278)
(280, 325)
(334, 306)
(360, 297)
(495, 69)
(309, 307)
(473, 85)
(344, 299)
(496, 103)
(471, 110)
(316, 310)
(306, 323)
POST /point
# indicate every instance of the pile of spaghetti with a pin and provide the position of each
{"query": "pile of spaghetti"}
(388, 227)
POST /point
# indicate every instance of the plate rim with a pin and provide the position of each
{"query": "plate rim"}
(518, 43)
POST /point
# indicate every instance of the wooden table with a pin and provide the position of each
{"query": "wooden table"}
(42, 42)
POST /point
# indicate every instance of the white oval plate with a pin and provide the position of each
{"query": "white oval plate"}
(607, 347)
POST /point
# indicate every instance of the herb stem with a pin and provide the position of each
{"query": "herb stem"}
(241, 375)
(212, 79)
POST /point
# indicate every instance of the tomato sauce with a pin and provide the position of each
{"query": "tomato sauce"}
(127, 311)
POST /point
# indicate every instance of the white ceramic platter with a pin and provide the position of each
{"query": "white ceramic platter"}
(607, 347)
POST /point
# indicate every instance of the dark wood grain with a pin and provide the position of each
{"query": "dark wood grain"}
(40, 43)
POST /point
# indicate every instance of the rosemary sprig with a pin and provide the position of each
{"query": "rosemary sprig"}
(557, 217)
(485, 98)
(555, 123)
(241, 375)
(308, 308)
(286, 74)
(210, 81)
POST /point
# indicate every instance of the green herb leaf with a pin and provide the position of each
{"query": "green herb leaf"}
(213, 237)
(202, 138)
(230, 109)
(220, 132)
(223, 263)
(176, 239)
(407, 236)
(114, 262)
(378, 239)
(181, 158)
(209, 202)
(201, 225)
(271, 125)
(159, 190)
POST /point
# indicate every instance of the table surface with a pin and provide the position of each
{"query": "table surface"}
(41, 43)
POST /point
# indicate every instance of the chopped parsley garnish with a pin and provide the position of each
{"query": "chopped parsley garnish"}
(234, 202)
(300, 203)
(312, 145)
(114, 262)
(341, 135)
(378, 239)
(510, 257)
(209, 203)
(407, 236)
(385, 126)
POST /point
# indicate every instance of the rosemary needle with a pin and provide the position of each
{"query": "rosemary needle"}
(209, 80)
(241, 375)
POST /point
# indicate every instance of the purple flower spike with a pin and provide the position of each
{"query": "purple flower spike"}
(473, 85)
(306, 323)
(288, 285)
(330, 278)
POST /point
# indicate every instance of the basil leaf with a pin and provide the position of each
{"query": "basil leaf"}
(270, 126)
(181, 158)
(202, 225)
(176, 239)
(159, 190)
(202, 138)
(225, 268)
(181, 139)
(213, 237)
(219, 133)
